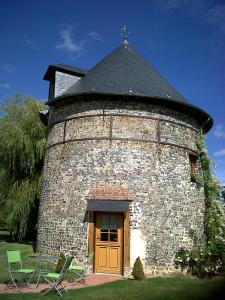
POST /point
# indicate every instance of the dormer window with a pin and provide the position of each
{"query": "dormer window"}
(62, 77)
(51, 93)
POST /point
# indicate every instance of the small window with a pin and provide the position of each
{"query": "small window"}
(109, 228)
(193, 165)
(51, 92)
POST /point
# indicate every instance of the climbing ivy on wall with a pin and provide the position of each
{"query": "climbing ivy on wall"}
(207, 256)
(214, 209)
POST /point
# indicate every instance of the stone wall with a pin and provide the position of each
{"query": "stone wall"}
(142, 146)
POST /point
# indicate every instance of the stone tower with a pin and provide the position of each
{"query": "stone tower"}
(119, 162)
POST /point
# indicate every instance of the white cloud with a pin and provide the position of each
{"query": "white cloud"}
(5, 86)
(8, 68)
(221, 176)
(219, 153)
(216, 18)
(208, 11)
(170, 4)
(96, 36)
(28, 41)
(67, 42)
(219, 131)
(220, 168)
(216, 15)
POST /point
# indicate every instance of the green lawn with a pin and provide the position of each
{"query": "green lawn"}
(25, 250)
(153, 289)
(167, 288)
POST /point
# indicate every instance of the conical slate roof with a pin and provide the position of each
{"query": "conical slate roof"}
(124, 72)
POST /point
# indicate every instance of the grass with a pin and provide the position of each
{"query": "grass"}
(159, 288)
(171, 288)
(25, 250)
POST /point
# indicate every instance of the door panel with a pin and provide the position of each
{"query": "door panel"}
(114, 257)
(102, 257)
(108, 242)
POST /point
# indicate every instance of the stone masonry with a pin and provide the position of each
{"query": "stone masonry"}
(136, 144)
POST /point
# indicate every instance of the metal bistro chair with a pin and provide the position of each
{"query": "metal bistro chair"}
(55, 279)
(81, 271)
(15, 266)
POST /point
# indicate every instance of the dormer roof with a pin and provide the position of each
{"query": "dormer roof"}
(65, 69)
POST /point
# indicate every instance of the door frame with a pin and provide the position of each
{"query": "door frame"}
(125, 243)
(118, 244)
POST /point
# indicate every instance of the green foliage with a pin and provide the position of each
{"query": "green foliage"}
(223, 194)
(207, 256)
(21, 155)
(60, 262)
(138, 272)
(197, 179)
(211, 186)
(214, 212)
(204, 260)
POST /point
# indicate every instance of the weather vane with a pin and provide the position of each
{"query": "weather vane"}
(124, 32)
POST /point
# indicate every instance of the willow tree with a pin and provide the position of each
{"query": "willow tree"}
(21, 156)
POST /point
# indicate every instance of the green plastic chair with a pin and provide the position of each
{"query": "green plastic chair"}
(15, 267)
(55, 279)
(81, 271)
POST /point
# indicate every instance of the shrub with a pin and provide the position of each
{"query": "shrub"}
(138, 272)
(205, 259)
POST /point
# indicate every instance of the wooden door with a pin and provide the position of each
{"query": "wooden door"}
(108, 243)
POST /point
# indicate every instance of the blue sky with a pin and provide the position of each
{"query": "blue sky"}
(182, 39)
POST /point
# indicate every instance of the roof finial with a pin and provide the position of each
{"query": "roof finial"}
(124, 32)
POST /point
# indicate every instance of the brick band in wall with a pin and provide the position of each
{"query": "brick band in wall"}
(120, 139)
(123, 115)
(153, 132)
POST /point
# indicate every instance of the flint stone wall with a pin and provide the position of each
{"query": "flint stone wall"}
(142, 146)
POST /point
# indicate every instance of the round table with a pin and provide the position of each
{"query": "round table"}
(43, 264)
